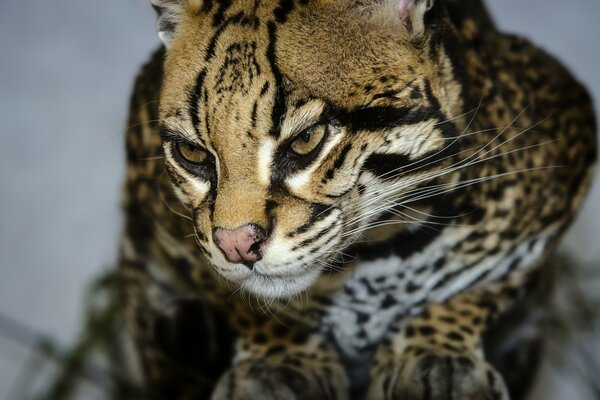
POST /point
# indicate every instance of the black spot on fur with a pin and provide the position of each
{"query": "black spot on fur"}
(282, 11)
(426, 330)
(388, 301)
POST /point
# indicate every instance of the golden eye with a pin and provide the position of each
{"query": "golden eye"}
(191, 153)
(308, 140)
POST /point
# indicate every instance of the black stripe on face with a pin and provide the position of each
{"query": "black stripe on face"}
(219, 15)
(338, 162)
(320, 248)
(430, 97)
(314, 238)
(205, 104)
(254, 114)
(390, 166)
(194, 102)
(319, 213)
(210, 51)
(385, 164)
(264, 89)
(282, 11)
(372, 119)
(279, 106)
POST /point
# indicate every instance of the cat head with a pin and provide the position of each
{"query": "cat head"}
(291, 127)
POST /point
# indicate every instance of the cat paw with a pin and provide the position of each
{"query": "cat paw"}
(259, 380)
(434, 376)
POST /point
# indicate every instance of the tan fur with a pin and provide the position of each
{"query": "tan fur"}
(455, 157)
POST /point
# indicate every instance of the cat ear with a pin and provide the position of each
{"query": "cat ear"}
(170, 13)
(410, 16)
(169, 16)
(412, 13)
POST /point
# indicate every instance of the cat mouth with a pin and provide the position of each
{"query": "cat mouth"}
(281, 284)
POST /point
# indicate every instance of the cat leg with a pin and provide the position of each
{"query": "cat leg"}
(438, 355)
(281, 359)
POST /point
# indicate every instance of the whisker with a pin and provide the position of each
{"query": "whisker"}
(473, 110)
(186, 217)
(152, 158)
(430, 191)
(410, 220)
(453, 168)
(483, 179)
(503, 130)
(453, 141)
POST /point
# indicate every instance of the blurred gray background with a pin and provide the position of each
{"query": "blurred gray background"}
(66, 70)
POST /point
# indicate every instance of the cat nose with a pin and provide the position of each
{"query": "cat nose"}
(241, 245)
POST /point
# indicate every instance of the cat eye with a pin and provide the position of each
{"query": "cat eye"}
(301, 150)
(191, 153)
(308, 140)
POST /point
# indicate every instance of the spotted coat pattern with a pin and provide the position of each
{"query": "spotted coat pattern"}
(453, 158)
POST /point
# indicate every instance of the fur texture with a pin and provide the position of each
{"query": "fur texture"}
(449, 159)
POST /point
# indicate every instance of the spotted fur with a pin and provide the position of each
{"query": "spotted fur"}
(454, 157)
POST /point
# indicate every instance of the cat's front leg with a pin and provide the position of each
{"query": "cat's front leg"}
(278, 360)
(438, 354)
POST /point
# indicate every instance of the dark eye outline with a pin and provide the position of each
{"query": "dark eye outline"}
(308, 132)
(317, 149)
(204, 169)
(287, 161)
(194, 147)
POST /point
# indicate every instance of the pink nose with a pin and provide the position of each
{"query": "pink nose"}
(241, 245)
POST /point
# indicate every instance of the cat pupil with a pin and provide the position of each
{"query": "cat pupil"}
(306, 136)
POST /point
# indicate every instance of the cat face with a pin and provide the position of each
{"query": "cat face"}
(290, 129)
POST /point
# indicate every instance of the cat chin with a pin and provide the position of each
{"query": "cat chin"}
(267, 281)
(279, 286)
